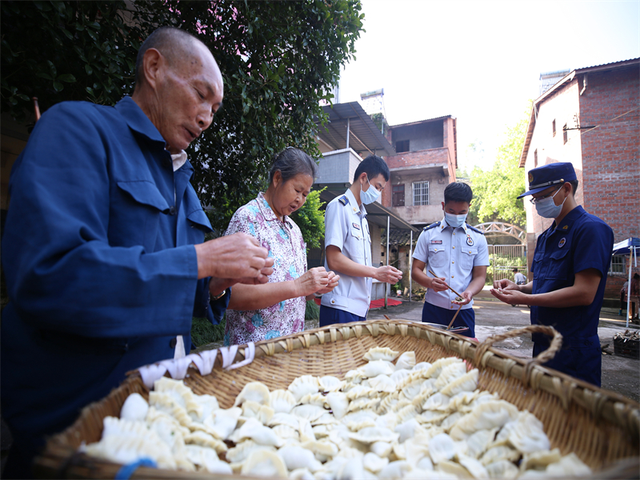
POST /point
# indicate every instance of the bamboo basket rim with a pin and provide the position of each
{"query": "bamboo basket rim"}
(604, 406)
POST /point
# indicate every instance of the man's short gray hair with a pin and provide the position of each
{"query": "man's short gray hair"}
(170, 41)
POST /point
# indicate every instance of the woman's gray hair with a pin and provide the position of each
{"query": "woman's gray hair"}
(291, 162)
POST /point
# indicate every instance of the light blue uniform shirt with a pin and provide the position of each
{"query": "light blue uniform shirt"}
(347, 228)
(451, 253)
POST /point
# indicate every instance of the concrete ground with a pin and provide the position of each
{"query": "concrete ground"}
(619, 374)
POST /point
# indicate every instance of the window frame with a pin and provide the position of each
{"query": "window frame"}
(620, 265)
(413, 187)
(395, 193)
(402, 142)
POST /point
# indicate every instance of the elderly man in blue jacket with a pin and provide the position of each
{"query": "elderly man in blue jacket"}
(103, 247)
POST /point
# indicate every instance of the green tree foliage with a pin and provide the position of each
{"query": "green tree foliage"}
(495, 191)
(310, 219)
(60, 51)
(279, 61)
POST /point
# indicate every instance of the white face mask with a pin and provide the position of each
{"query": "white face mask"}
(455, 220)
(370, 195)
(547, 208)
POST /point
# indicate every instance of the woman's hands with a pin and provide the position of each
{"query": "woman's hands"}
(316, 280)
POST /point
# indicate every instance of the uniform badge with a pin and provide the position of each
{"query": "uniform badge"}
(566, 227)
(439, 242)
(469, 240)
(356, 226)
(562, 241)
(530, 178)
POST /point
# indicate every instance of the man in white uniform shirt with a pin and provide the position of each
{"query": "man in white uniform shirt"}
(457, 253)
(348, 246)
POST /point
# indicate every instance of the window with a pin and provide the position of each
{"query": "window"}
(565, 134)
(421, 193)
(402, 146)
(398, 196)
(535, 158)
(553, 127)
(617, 265)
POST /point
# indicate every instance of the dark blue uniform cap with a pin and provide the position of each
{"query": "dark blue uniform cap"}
(546, 176)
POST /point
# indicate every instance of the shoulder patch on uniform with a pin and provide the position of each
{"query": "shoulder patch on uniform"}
(433, 225)
(475, 229)
(344, 200)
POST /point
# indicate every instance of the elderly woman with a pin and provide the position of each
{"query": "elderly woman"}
(277, 308)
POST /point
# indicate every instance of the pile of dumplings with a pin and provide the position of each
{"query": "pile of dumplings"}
(385, 420)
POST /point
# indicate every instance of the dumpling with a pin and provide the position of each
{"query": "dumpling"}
(569, 466)
(295, 456)
(438, 401)
(466, 383)
(503, 469)
(501, 452)
(222, 422)
(441, 448)
(450, 373)
(205, 440)
(262, 413)
(540, 460)
(135, 407)
(303, 385)
(329, 383)
(374, 434)
(285, 432)
(308, 412)
(207, 404)
(242, 450)
(382, 383)
(284, 419)
(313, 399)
(381, 353)
(528, 434)
(493, 414)
(374, 463)
(396, 469)
(254, 430)
(264, 463)
(255, 391)
(281, 401)
(474, 467)
(338, 403)
(479, 441)
(436, 368)
(406, 361)
(382, 449)
(322, 449)
(377, 367)
(207, 459)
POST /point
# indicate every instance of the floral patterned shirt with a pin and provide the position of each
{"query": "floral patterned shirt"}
(284, 241)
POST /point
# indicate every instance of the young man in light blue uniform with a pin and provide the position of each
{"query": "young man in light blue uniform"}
(348, 246)
(457, 253)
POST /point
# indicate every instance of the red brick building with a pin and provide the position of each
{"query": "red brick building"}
(591, 118)
(424, 164)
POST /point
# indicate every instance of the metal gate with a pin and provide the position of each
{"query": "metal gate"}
(503, 259)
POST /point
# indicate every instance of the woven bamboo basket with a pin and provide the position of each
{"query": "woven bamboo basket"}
(600, 426)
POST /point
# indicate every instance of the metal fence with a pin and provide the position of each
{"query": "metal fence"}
(503, 259)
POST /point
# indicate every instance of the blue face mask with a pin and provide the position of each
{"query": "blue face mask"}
(455, 220)
(547, 208)
(370, 195)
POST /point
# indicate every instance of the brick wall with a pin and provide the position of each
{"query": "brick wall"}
(606, 158)
(611, 153)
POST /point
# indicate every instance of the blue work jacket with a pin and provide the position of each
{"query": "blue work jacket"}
(100, 265)
(581, 241)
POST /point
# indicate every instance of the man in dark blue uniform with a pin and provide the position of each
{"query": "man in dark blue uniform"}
(103, 249)
(569, 273)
